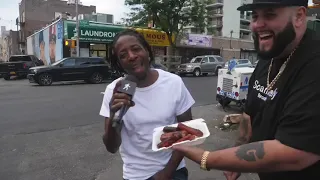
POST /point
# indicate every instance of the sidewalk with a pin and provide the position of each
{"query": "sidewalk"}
(218, 140)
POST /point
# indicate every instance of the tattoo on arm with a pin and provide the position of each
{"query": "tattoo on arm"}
(251, 152)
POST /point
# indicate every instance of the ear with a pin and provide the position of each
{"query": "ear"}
(299, 17)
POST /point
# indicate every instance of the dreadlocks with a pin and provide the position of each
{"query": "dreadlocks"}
(115, 64)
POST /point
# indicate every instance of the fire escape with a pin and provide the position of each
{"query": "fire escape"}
(20, 23)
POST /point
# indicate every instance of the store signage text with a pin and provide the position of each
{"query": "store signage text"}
(97, 34)
(156, 36)
(92, 33)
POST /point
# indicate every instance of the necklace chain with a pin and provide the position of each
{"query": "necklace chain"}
(271, 84)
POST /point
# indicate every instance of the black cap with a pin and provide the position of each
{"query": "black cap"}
(272, 3)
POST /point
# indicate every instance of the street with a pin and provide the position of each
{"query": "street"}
(54, 133)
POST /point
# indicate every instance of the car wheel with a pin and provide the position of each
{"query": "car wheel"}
(196, 72)
(45, 79)
(6, 78)
(96, 78)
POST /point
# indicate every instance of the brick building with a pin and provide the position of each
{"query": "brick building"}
(36, 14)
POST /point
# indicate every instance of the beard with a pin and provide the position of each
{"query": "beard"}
(280, 42)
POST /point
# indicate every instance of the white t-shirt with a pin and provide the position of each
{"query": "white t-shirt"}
(156, 105)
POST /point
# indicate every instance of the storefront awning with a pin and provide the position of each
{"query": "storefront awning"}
(154, 37)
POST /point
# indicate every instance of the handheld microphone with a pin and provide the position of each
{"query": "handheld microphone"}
(128, 86)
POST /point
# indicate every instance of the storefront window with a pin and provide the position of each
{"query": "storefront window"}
(98, 50)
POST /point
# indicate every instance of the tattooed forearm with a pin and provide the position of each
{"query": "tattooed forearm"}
(251, 152)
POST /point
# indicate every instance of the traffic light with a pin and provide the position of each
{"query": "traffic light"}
(73, 43)
(70, 42)
(66, 42)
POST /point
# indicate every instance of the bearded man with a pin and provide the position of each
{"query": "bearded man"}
(280, 128)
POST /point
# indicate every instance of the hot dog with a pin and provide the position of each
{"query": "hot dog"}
(192, 137)
(167, 142)
(169, 129)
(173, 135)
(185, 138)
(190, 130)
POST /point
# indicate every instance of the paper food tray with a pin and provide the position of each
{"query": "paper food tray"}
(196, 123)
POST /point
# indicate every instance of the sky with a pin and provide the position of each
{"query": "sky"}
(9, 10)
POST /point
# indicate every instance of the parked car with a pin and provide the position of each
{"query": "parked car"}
(201, 65)
(240, 63)
(18, 65)
(159, 66)
(91, 69)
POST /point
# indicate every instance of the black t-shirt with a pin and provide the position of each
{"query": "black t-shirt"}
(290, 112)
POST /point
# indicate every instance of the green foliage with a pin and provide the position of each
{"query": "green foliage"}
(171, 16)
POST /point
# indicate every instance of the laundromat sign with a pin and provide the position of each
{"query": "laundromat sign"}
(92, 32)
(154, 37)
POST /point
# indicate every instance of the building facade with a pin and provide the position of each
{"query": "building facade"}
(224, 20)
(9, 45)
(35, 14)
(227, 30)
(58, 40)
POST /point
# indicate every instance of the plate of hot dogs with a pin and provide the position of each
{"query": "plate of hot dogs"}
(191, 133)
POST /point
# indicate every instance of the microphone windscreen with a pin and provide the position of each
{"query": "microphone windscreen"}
(128, 85)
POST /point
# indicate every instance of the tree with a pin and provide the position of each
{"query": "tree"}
(171, 16)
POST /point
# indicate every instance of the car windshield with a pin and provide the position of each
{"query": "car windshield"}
(196, 60)
(57, 62)
(19, 58)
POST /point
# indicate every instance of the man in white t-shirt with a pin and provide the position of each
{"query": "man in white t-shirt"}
(161, 98)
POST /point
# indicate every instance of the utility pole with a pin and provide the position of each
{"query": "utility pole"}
(77, 27)
(231, 32)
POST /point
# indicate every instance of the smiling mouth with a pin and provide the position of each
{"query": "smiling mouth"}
(137, 65)
(265, 36)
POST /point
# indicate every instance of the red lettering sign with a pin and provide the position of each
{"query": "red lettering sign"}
(156, 36)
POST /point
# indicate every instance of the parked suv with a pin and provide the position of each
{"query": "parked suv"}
(91, 69)
(201, 65)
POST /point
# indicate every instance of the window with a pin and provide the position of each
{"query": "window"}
(219, 58)
(97, 61)
(69, 62)
(19, 58)
(211, 59)
(82, 61)
(205, 60)
(243, 61)
(196, 60)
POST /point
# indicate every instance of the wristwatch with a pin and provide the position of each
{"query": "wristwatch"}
(203, 164)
